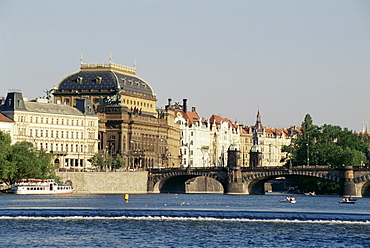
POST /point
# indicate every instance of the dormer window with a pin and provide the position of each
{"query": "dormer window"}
(79, 80)
(124, 80)
(98, 80)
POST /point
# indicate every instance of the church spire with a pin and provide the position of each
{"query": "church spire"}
(258, 127)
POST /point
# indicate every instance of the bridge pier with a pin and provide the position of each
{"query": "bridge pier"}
(235, 184)
(348, 187)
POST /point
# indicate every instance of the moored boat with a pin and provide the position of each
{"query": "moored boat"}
(40, 187)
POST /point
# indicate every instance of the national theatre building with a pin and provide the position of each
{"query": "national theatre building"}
(130, 125)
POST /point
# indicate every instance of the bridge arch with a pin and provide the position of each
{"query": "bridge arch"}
(255, 182)
(362, 184)
(188, 182)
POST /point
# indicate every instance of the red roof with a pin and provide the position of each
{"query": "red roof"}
(190, 116)
(218, 119)
(4, 118)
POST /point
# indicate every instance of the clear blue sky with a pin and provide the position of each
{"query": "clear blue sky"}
(287, 58)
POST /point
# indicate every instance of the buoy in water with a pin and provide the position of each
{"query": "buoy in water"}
(126, 196)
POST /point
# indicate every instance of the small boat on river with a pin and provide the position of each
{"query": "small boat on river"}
(310, 193)
(289, 199)
(349, 200)
(40, 187)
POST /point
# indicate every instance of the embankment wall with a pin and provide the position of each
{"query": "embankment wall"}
(107, 182)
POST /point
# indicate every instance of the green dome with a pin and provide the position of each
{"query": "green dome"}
(233, 147)
(256, 148)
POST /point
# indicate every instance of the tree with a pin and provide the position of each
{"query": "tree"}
(22, 160)
(97, 160)
(118, 162)
(5, 141)
(327, 145)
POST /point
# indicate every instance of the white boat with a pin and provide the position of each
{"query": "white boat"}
(349, 200)
(310, 193)
(289, 199)
(40, 187)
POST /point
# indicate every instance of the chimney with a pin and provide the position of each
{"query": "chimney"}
(184, 106)
(193, 109)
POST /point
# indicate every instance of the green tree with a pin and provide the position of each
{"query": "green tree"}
(97, 160)
(327, 145)
(118, 162)
(22, 160)
(5, 141)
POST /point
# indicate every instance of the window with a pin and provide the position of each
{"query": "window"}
(46, 133)
(61, 134)
(52, 133)
(30, 132)
(79, 80)
(82, 135)
(41, 133)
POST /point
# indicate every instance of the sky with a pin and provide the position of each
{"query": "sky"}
(231, 58)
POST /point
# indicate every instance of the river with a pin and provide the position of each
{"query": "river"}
(182, 220)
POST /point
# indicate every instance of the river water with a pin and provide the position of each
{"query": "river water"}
(182, 220)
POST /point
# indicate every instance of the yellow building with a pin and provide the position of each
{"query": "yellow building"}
(130, 125)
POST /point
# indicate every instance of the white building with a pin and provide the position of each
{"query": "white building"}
(223, 134)
(204, 143)
(194, 140)
(70, 133)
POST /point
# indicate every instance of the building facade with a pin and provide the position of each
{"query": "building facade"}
(130, 125)
(261, 146)
(195, 137)
(67, 132)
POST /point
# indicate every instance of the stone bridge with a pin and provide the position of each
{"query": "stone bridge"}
(353, 181)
